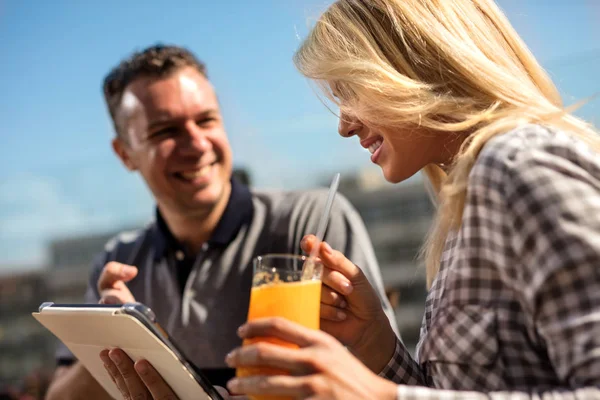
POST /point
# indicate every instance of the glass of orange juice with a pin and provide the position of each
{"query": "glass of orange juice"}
(279, 289)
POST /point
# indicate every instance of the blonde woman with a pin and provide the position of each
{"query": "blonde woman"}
(513, 260)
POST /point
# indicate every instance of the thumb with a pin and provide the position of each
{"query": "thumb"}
(114, 272)
(121, 286)
(331, 258)
(337, 261)
(358, 291)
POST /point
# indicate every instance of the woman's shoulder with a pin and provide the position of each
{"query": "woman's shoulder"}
(523, 151)
(531, 140)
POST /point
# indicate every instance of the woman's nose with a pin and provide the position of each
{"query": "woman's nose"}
(348, 126)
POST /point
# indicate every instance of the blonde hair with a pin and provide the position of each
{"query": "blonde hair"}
(447, 66)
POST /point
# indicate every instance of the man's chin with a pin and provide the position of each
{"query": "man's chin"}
(208, 197)
(203, 202)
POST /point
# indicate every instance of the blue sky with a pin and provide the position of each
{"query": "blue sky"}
(58, 176)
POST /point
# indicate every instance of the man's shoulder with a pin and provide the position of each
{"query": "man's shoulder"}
(126, 242)
(287, 201)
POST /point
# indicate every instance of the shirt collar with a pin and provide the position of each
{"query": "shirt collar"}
(238, 212)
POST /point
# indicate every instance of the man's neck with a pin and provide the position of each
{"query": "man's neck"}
(193, 230)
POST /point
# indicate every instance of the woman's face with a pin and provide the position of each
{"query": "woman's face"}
(400, 152)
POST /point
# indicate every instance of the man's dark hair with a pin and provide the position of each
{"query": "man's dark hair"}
(157, 61)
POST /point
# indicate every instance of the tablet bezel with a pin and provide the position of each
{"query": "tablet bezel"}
(146, 317)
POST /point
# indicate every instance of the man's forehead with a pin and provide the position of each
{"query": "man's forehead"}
(186, 87)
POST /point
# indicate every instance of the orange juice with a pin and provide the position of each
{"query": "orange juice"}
(296, 301)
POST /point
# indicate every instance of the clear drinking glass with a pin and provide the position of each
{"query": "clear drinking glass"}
(279, 289)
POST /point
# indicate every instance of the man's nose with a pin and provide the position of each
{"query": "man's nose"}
(196, 141)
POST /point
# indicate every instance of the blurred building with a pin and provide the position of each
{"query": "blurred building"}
(25, 345)
(397, 218)
(70, 263)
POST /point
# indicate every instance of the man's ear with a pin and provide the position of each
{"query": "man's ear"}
(122, 150)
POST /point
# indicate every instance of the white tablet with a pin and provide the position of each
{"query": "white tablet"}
(87, 329)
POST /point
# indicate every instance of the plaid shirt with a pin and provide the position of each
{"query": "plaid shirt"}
(514, 312)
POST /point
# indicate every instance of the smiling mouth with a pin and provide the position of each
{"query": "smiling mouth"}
(190, 176)
(373, 147)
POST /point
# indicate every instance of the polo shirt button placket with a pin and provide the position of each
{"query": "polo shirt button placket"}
(189, 293)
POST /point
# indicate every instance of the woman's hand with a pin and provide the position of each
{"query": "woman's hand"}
(351, 310)
(320, 369)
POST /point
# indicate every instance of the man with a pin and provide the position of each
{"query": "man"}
(192, 265)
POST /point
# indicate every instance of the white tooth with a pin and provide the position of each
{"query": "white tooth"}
(203, 171)
(197, 174)
(373, 148)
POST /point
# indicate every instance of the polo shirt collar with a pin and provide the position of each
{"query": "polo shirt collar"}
(238, 212)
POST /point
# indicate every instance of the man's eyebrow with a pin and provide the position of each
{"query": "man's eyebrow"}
(166, 117)
(161, 119)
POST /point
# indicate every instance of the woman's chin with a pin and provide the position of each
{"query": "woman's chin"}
(393, 175)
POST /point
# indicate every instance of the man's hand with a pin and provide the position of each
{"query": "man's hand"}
(111, 284)
(75, 382)
(135, 380)
(140, 380)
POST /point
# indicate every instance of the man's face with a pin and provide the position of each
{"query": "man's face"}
(176, 139)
